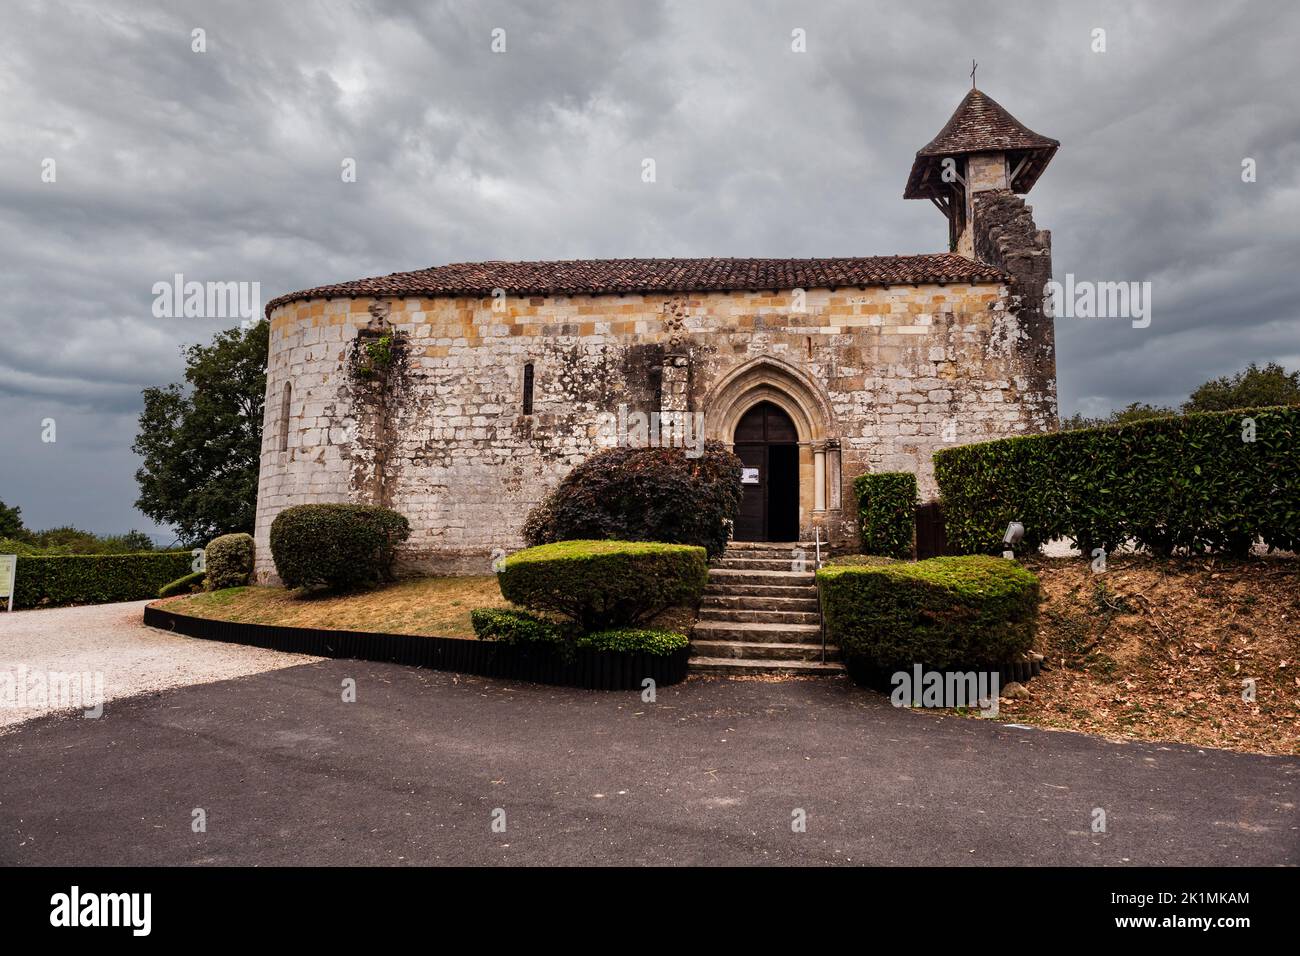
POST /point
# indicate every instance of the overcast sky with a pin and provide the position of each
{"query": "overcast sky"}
(225, 166)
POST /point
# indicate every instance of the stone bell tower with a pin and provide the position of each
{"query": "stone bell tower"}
(975, 172)
(982, 149)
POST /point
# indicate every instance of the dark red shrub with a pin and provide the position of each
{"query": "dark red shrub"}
(644, 494)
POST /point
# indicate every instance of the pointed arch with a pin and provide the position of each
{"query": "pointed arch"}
(768, 379)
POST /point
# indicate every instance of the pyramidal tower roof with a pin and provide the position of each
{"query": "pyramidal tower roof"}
(981, 125)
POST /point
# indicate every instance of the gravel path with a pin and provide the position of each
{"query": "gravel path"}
(122, 657)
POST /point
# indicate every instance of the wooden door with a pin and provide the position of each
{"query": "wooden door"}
(767, 444)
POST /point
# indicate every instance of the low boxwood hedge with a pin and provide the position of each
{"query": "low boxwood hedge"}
(228, 561)
(887, 513)
(634, 640)
(601, 585)
(186, 585)
(1207, 482)
(520, 627)
(962, 612)
(336, 546)
(53, 580)
(856, 560)
(514, 627)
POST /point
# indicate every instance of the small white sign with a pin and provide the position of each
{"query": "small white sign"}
(749, 476)
(8, 567)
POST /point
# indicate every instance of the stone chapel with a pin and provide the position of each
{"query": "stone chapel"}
(460, 394)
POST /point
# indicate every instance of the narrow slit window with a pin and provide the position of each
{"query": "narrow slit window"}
(528, 388)
(284, 416)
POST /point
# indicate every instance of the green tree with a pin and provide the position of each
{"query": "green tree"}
(1251, 388)
(201, 443)
(1139, 412)
(1133, 412)
(11, 522)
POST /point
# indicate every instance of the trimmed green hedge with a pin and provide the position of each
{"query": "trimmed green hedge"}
(1190, 483)
(228, 560)
(856, 560)
(53, 580)
(633, 640)
(605, 584)
(962, 612)
(519, 627)
(514, 627)
(336, 546)
(887, 513)
(186, 585)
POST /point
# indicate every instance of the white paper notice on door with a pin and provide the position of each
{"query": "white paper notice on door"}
(749, 476)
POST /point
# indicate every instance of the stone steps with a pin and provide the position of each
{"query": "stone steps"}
(774, 592)
(754, 616)
(763, 651)
(785, 578)
(760, 614)
(796, 600)
(749, 631)
(765, 564)
(741, 667)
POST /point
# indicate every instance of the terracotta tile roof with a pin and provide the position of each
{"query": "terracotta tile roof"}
(619, 276)
(978, 125)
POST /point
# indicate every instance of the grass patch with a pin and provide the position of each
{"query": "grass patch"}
(432, 607)
(427, 607)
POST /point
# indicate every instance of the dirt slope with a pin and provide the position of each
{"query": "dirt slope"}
(1163, 650)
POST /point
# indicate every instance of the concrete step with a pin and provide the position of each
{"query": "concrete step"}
(751, 616)
(761, 602)
(723, 589)
(733, 576)
(763, 651)
(758, 632)
(740, 667)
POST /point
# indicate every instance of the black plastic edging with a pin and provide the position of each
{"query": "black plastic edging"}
(586, 668)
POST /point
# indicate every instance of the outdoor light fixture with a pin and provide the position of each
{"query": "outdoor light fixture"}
(1015, 531)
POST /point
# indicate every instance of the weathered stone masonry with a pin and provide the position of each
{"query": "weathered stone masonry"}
(901, 371)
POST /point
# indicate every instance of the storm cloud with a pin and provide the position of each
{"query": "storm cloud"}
(225, 166)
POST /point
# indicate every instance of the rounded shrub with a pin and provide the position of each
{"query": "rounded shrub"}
(605, 584)
(336, 546)
(951, 612)
(228, 561)
(644, 494)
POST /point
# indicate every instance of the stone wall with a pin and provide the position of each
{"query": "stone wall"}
(885, 376)
(1005, 236)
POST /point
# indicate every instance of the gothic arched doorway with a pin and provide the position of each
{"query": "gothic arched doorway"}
(767, 443)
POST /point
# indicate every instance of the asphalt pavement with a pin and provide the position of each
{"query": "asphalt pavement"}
(435, 768)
